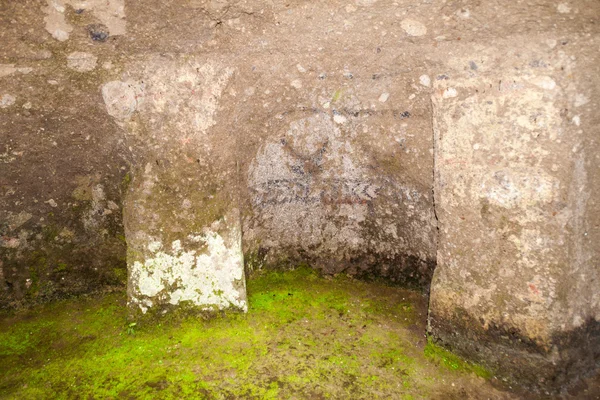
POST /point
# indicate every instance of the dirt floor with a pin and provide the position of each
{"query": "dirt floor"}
(304, 337)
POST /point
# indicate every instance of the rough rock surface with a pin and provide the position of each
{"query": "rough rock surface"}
(513, 177)
(182, 224)
(304, 132)
(324, 184)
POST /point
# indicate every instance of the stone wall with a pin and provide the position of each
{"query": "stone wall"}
(511, 198)
(338, 170)
(63, 165)
(182, 220)
(371, 137)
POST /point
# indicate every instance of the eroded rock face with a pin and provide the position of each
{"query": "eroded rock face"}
(308, 132)
(110, 13)
(294, 178)
(316, 194)
(336, 169)
(182, 223)
(509, 160)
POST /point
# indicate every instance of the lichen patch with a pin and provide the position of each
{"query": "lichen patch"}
(206, 279)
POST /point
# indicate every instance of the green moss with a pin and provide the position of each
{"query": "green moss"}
(336, 95)
(120, 275)
(61, 267)
(50, 232)
(453, 362)
(253, 261)
(126, 181)
(304, 336)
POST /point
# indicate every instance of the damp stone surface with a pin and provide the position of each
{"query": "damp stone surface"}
(174, 149)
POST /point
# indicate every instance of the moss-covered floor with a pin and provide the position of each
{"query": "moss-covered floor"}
(303, 337)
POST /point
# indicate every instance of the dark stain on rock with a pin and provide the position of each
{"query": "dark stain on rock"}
(402, 270)
(524, 363)
(98, 32)
(485, 208)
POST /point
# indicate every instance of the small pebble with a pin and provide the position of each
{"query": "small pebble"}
(450, 92)
(81, 62)
(425, 80)
(7, 100)
(413, 28)
(563, 8)
(52, 203)
(339, 119)
(384, 97)
(98, 32)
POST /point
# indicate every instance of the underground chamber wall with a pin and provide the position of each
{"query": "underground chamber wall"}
(319, 192)
(346, 188)
(311, 194)
(319, 149)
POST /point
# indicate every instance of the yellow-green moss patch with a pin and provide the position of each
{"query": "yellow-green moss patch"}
(304, 336)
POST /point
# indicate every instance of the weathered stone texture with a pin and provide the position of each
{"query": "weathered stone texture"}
(332, 133)
(511, 194)
(323, 176)
(182, 223)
